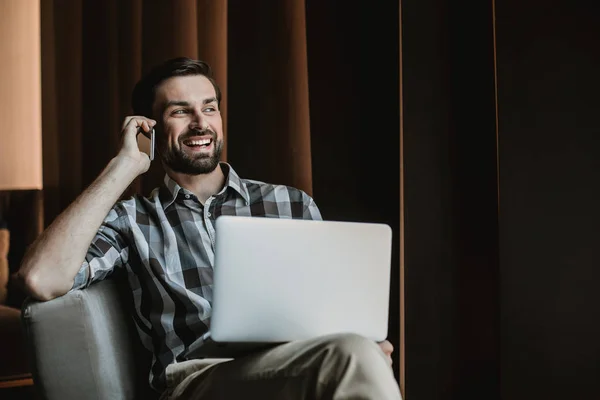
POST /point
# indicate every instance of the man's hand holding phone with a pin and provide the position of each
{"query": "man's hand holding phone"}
(130, 151)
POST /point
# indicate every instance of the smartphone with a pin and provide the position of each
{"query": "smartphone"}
(146, 142)
(152, 135)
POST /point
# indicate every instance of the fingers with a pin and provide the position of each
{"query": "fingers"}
(138, 118)
(133, 125)
(386, 347)
(136, 122)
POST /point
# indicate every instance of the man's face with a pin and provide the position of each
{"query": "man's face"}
(190, 129)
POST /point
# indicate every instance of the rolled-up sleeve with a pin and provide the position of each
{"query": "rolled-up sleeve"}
(311, 211)
(107, 251)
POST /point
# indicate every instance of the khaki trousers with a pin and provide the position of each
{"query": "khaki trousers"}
(344, 366)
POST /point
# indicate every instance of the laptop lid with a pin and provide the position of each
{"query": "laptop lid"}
(278, 280)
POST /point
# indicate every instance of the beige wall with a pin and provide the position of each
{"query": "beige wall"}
(20, 95)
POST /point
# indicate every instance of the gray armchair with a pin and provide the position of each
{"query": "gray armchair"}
(83, 345)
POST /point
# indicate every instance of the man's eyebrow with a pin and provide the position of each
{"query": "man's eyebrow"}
(176, 103)
(183, 103)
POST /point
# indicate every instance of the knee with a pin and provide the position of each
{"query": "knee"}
(350, 345)
(355, 367)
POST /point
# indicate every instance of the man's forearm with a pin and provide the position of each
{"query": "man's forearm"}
(53, 260)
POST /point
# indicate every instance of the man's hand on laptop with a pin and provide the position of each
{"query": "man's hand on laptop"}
(387, 349)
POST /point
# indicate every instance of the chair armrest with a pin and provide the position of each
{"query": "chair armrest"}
(81, 345)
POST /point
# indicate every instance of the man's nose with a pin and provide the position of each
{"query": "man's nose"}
(198, 122)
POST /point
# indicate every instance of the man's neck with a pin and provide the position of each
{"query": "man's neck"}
(202, 185)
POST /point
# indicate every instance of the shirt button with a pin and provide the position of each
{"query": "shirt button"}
(208, 214)
(187, 196)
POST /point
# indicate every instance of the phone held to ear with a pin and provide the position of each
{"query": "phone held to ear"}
(146, 142)
(152, 135)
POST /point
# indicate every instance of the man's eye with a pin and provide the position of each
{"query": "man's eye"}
(210, 109)
(179, 111)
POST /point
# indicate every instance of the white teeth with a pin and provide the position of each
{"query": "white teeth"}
(197, 142)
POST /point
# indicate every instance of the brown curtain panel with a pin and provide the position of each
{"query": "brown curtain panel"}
(309, 100)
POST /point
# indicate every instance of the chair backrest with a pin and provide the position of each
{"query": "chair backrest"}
(84, 345)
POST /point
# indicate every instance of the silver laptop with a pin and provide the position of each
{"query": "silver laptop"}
(280, 280)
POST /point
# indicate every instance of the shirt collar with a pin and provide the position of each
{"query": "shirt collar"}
(170, 190)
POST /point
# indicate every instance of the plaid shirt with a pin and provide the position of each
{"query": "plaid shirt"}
(166, 243)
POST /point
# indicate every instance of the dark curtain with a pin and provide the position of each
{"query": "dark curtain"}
(309, 99)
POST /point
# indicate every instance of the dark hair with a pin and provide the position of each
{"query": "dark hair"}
(142, 97)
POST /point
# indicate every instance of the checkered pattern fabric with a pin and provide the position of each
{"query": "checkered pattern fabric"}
(166, 243)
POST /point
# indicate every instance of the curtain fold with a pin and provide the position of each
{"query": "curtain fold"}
(269, 126)
(62, 119)
(50, 142)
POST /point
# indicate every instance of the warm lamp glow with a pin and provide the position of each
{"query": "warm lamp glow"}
(20, 95)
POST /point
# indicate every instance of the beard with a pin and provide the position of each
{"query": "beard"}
(178, 161)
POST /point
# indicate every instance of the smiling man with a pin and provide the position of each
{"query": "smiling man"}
(165, 242)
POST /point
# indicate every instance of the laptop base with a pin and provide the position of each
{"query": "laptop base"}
(208, 348)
